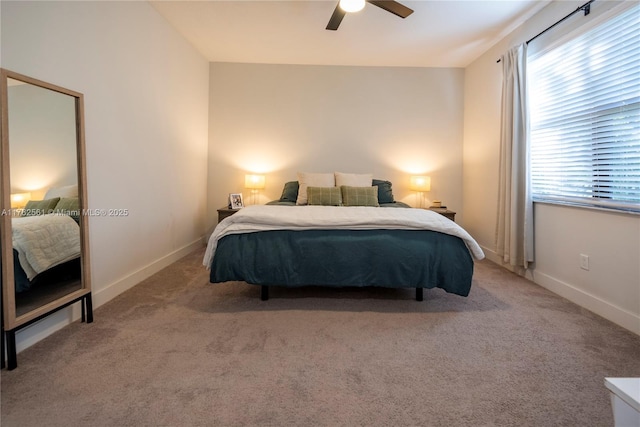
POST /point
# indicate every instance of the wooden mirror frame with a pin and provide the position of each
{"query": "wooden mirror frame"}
(11, 322)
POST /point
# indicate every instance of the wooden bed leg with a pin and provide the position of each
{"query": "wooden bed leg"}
(264, 292)
(419, 295)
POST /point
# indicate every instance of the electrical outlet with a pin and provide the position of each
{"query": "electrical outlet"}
(584, 262)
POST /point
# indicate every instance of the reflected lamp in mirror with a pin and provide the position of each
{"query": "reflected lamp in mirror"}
(19, 200)
(255, 183)
(420, 184)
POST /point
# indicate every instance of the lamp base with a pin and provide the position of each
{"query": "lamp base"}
(254, 196)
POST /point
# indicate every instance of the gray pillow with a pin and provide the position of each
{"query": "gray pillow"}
(385, 194)
(290, 192)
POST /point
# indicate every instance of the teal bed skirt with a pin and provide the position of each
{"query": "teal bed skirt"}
(384, 258)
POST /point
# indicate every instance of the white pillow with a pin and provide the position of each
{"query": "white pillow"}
(66, 192)
(354, 179)
(306, 179)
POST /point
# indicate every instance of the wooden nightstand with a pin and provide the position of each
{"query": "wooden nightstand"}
(225, 211)
(445, 212)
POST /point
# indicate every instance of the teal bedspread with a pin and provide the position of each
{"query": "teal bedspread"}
(384, 258)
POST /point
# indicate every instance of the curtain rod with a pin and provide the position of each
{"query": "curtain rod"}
(587, 10)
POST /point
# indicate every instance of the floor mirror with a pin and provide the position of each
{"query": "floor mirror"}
(44, 235)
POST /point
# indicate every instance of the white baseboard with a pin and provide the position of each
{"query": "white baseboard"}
(116, 288)
(491, 255)
(613, 313)
(38, 331)
(30, 335)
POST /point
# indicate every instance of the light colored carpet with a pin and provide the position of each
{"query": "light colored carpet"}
(178, 351)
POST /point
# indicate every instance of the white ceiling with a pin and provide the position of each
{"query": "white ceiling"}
(446, 33)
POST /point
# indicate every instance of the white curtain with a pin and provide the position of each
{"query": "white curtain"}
(514, 231)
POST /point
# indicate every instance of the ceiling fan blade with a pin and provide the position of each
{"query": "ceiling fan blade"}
(336, 18)
(393, 6)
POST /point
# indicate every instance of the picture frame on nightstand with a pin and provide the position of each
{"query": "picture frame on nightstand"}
(235, 201)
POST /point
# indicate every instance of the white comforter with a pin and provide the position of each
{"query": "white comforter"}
(265, 217)
(44, 241)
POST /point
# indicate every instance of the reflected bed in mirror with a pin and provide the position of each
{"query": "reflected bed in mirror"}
(46, 248)
(45, 260)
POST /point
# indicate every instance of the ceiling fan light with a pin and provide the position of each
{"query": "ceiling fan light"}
(352, 5)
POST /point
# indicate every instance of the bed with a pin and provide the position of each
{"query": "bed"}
(42, 243)
(46, 239)
(284, 244)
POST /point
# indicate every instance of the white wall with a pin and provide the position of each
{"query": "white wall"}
(281, 119)
(146, 116)
(611, 287)
(42, 127)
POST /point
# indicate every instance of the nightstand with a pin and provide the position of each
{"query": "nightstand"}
(225, 211)
(445, 212)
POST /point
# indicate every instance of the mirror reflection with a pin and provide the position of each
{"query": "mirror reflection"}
(45, 221)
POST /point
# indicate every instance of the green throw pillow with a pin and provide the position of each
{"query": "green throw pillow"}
(359, 196)
(290, 192)
(385, 195)
(69, 206)
(40, 207)
(325, 196)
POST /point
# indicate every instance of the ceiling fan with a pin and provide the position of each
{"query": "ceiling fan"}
(345, 6)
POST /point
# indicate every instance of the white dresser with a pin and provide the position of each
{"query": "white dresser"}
(625, 401)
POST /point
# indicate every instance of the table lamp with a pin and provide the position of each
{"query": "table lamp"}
(255, 183)
(420, 184)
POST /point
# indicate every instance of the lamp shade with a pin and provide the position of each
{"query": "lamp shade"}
(19, 200)
(420, 183)
(254, 182)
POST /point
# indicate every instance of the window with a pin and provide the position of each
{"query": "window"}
(584, 98)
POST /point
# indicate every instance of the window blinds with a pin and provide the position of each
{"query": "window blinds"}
(585, 117)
